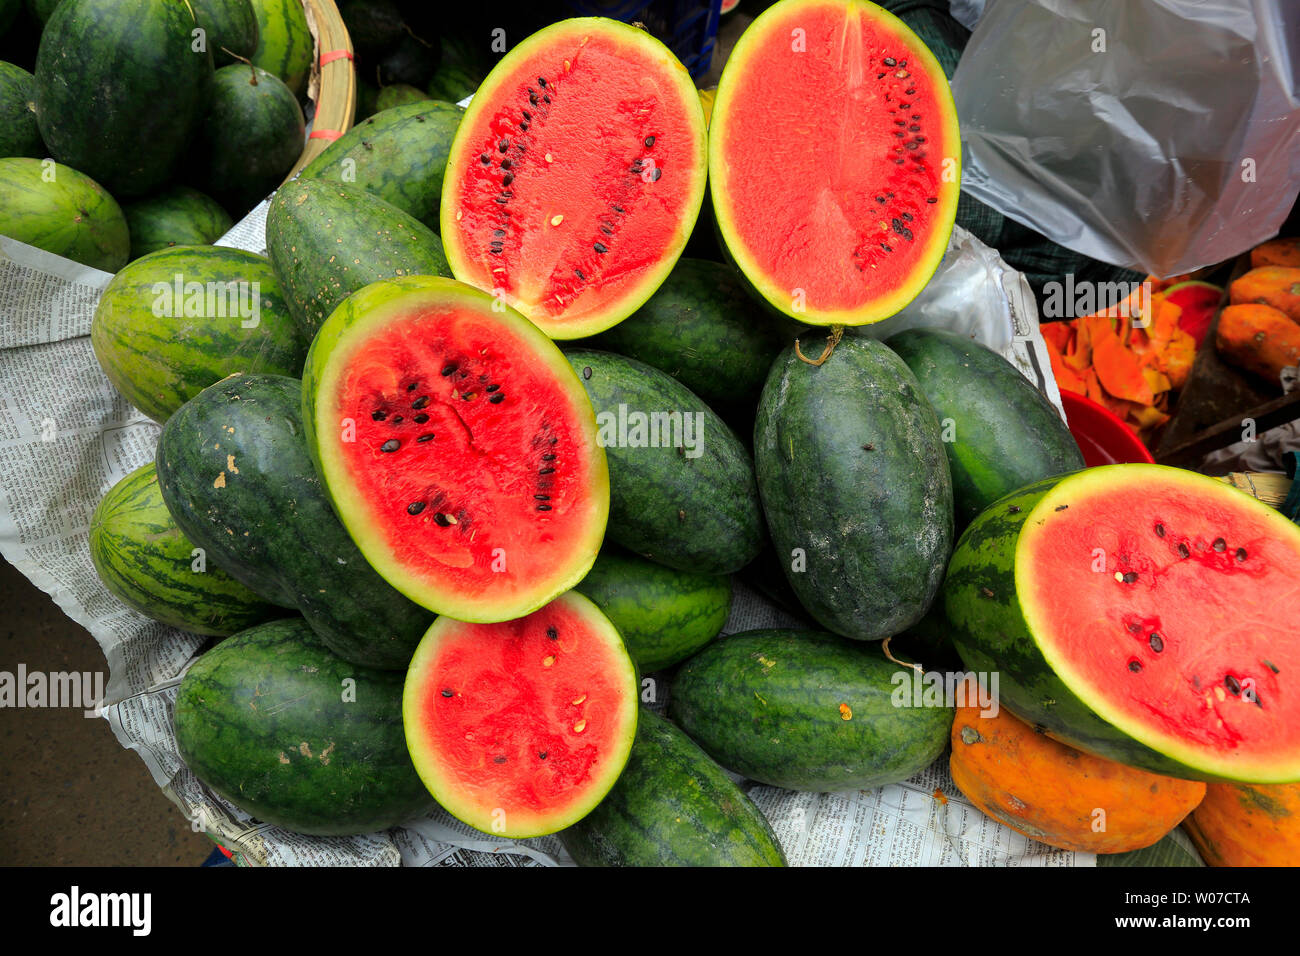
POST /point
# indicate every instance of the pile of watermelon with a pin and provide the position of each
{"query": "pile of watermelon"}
(145, 124)
(495, 627)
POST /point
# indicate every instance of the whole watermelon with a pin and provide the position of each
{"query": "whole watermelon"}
(119, 89)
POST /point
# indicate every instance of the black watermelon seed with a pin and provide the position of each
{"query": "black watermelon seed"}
(492, 388)
(1220, 544)
(932, 200)
(1241, 554)
(586, 373)
(618, 209)
(1160, 530)
(902, 63)
(1233, 685)
(545, 99)
(498, 759)
(501, 199)
(916, 116)
(546, 471)
(654, 177)
(398, 419)
(1271, 666)
(449, 368)
(391, 445)
(548, 456)
(507, 179)
(900, 122)
(505, 164)
(1184, 551)
(415, 507)
(427, 436)
(552, 633)
(448, 692)
(1135, 666)
(898, 162)
(378, 415)
(485, 159)
(901, 229)
(541, 80)
(420, 419)
(498, 232)
(542, 497)
(880, 199)
(543, 507)
(907, 216)
(503, 145)
(880, 76)
(1157, 642)
(523, 126)
(890, 61)
(420, 402)
(1061, 507)
(1135, 628)
(914, 128)
(532, 97)
(541, 755)
(1130, 577)
(413, 386)
(497, 399)
(440, 520)
(885, 247)
(911, 145)
(599, 247)
(527, 115)
(578, 273)
(649, 141)
(606, 230)
(909, 92)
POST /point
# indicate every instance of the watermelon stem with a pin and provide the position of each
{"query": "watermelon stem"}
(884, 646)
(832, 340)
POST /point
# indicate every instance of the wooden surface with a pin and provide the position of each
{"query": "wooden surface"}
(335, 82)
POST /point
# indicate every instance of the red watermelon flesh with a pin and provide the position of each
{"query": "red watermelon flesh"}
(576, 175)
(1198, 302)
(1187, 636)
(458, 447)
(521, 728)
(834, 158)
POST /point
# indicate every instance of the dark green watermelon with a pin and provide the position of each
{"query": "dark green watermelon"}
(999, 432)
(294, 735)
(664, 616)
(177, 216)
(19, 134)
(60, 210)
(672, 806)
(253, 133)
(682, 489)
(806, 711)
(705, 330)
(326, 240)
(161, 345)
(855, 488)
(120, 89)
(400, 94)
(235, 473)
(398, 154)
(146, 561)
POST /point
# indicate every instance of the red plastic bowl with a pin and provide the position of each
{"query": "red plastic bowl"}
(1100, 435)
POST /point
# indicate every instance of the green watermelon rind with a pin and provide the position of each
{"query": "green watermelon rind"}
(285, 46)
(672, 806)
(287, 731)
(147, 563)
(992, 633)
(160, 357)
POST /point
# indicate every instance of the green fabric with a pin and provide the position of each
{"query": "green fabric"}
(1024, 249)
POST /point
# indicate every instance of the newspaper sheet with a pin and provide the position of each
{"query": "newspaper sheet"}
(66, 436)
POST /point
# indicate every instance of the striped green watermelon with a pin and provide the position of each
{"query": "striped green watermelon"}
(664, 616)
(19, 134)
(178, 216)
(285, 46)
(146, 561)
(1141, 613)
(178, 320)
(398, 154)
(60, 210)
(231, 28)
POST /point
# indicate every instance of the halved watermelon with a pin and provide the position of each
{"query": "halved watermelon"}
(576, 175)
(834, 160)
(1142, 613)
(1198, 302)
(458, 447)
(521, 728)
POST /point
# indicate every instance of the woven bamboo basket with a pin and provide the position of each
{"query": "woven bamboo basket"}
(333, 83)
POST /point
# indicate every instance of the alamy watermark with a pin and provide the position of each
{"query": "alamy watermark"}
(209, 300)
(1070, 299)
(82, 690)
(636, 429)
(914, 688)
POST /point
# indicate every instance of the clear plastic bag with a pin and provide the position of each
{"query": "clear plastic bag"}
(1160, 135)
